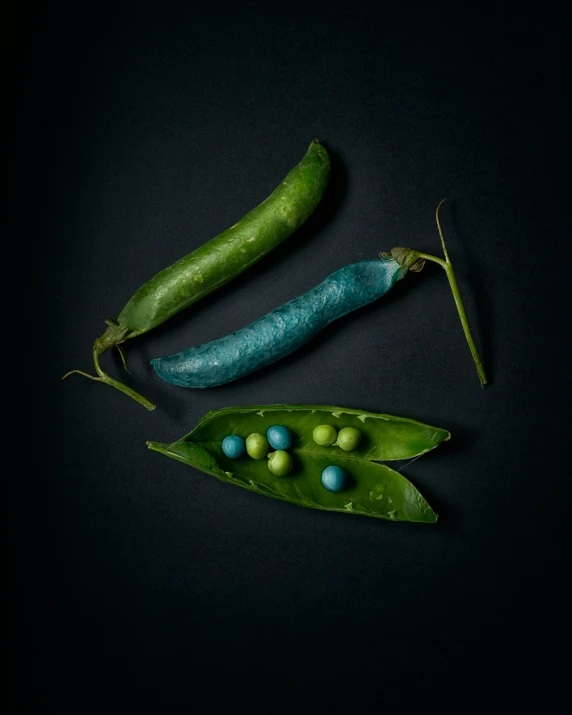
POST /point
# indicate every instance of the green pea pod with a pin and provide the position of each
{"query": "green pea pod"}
(218, 261)
(375, 489)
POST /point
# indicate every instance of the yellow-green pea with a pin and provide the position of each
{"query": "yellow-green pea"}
(256, 445)
(348, 439)
(324, 435)
(280, 463)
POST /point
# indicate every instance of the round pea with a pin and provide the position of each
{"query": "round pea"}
(324, 435)
(349, 438)
(256, 445)
(280, 463)
(279, 437)
(335, 479)
(233, 446)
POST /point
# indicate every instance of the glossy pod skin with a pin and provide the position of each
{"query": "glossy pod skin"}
(219, 260)
(231, 252)
(373, 490)
(287, 328)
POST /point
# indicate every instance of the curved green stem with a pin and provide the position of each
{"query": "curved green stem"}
(105, 378)
(448, 268)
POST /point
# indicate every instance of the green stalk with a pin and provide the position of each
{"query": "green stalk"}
(448, 268)
(107, 380)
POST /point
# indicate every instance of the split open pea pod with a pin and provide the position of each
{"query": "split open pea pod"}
(374, 489)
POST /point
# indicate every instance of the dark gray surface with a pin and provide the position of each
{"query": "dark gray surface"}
(157, 130)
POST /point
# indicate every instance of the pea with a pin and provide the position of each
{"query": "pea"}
(279, 437)
(335, 479)
(349, 439)
(280, 463)
(256, 445)
(324, 435)
(233, 446)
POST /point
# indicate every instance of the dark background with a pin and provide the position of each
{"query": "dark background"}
(154, 129)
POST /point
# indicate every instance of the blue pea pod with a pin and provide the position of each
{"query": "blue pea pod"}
(287, 328)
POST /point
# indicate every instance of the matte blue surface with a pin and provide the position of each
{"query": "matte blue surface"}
(279, 437)
(281, 331)
(233, 446)
(335, 479)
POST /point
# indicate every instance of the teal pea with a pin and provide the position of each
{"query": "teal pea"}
(233, 446)
(335, 479)
(279, 437)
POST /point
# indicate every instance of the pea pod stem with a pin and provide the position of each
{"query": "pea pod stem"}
(107, 380)
(448, 268)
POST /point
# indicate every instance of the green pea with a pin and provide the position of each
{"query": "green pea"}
(256, 445)
(280, 463)
(324, 435)
(349, 439)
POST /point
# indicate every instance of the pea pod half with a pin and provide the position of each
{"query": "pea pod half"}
(375, 489)
(218, 261)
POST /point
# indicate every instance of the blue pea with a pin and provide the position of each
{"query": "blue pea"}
(233, 446)
(335, 479)
(279, 437)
